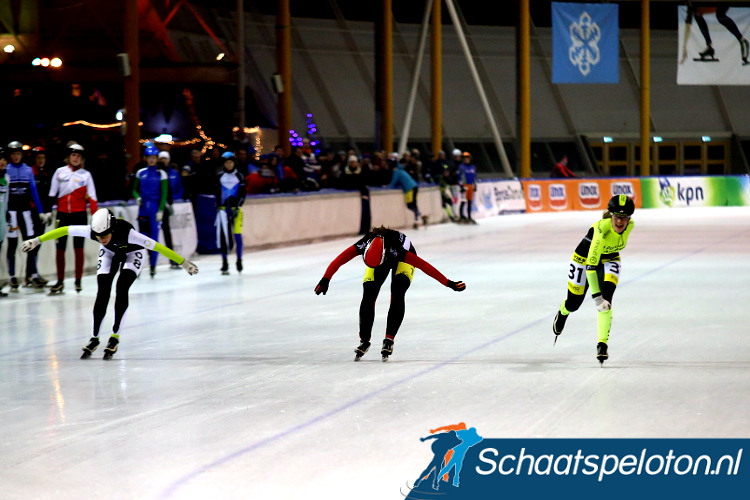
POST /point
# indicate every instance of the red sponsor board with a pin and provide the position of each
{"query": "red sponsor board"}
(578, 194)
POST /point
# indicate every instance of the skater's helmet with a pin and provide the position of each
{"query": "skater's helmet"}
(374, 252)
(151, 150)
(75, 148)
(15, 146)
(621, 205)
(102, 222)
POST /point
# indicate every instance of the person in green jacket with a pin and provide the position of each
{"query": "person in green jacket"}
(122, 249)
(596, 264)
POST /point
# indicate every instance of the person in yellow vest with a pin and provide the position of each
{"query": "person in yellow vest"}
(596, 264)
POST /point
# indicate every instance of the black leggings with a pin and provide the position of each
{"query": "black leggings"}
(399, 285)
(127, 278)
(573, 302)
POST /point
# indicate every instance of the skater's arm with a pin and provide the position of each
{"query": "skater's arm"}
(91, 194)
(413, 260)
(140, 239)
(55, 234)
(339, 261)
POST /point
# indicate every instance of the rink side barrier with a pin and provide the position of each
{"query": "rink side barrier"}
(550, 195)
(184, 241)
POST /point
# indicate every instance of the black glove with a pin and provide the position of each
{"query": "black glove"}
(322, 286)
(457, 286)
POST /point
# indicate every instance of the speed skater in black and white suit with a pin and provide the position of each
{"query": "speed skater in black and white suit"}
(122, 248)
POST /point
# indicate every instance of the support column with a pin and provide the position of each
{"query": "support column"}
(384, 77)
(645, 88)
(436, 81)
(284, 69)
(524, 88)
(241, 63)
(132, 85)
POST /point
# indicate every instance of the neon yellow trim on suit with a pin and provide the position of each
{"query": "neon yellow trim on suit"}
(54, 234)
(402, 268)
(605, 241)
(238, 221)
(409, 196)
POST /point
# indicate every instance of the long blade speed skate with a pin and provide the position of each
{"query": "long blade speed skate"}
(387, 349)
(360, 351)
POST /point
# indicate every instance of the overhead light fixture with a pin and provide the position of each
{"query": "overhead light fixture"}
(36, 62)
(9, 49)
(657, 139)
(163, 138)
(705, 138)
(220, 56)
(607, 139)
(56, 62)
(45, 61)
(120, 115)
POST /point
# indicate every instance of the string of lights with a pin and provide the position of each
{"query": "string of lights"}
(252, 131)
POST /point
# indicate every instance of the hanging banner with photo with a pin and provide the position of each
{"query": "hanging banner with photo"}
(585, 43)
(713, 49)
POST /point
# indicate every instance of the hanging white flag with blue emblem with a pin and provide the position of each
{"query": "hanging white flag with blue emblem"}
(585, 43)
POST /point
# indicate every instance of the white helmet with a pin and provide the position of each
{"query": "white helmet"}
(75, 148)
(456, 152)
(102, 222)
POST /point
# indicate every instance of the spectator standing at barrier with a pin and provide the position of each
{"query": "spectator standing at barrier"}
(188, 173)
(175, 193)
(561, 170)
(351, 177)
(26, 214)
(43, 177)
(311, 167)
(73, 188)
(438, 165)
(263, 181)
(596, 264)
(4, 194)
(229, 216)
(385, 252)
(245, 165)
(150, 191)
(414, 165)
(446, 196)
(467, 179)
(295, 162)
(275, 163)
(215, 160)
(409, 186)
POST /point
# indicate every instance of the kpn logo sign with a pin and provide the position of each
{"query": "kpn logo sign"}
(462, 464)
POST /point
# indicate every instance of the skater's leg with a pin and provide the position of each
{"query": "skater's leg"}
(728, 23)
(12, 246)
(104, 282)
(399, 285)
(124, 282)
(62, 242)
(154, 235)
(701, 22)
(577, 286)
(372, 282)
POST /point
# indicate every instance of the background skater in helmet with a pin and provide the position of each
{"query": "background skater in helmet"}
(596, 263)
(73, 187)
(122, 248)
(150, 190)
(231, 187)
(385, 252)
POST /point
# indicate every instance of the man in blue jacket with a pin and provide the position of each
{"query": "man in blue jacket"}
(401, 179)
(150, 191)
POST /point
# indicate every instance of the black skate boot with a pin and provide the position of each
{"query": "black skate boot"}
(111, 347)
(41, 280)
(239, 265)
(601, 352)
(708, 55)
(225, 267)
(57, 288)
(90, 348)
(360, 351)
(558, 324)
(153, 271)
(78, 286)
(37, 284)
(14, 284)
(387, 349)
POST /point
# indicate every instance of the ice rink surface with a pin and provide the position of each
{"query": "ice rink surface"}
(239, 387)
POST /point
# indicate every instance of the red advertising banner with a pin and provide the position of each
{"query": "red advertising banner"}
(577, 194)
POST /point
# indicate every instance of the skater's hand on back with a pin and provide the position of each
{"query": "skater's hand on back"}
(190, 267)
(602, 304)
(30, 245)
(322, 286)
(457, 286)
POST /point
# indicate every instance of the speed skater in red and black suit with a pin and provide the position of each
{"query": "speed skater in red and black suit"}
(384, 251)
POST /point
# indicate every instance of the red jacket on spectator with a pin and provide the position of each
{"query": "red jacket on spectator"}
(562, 170)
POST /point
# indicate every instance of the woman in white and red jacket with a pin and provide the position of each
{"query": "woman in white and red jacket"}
(73, 187)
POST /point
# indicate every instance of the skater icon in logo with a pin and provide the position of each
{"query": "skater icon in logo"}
(450, 449)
